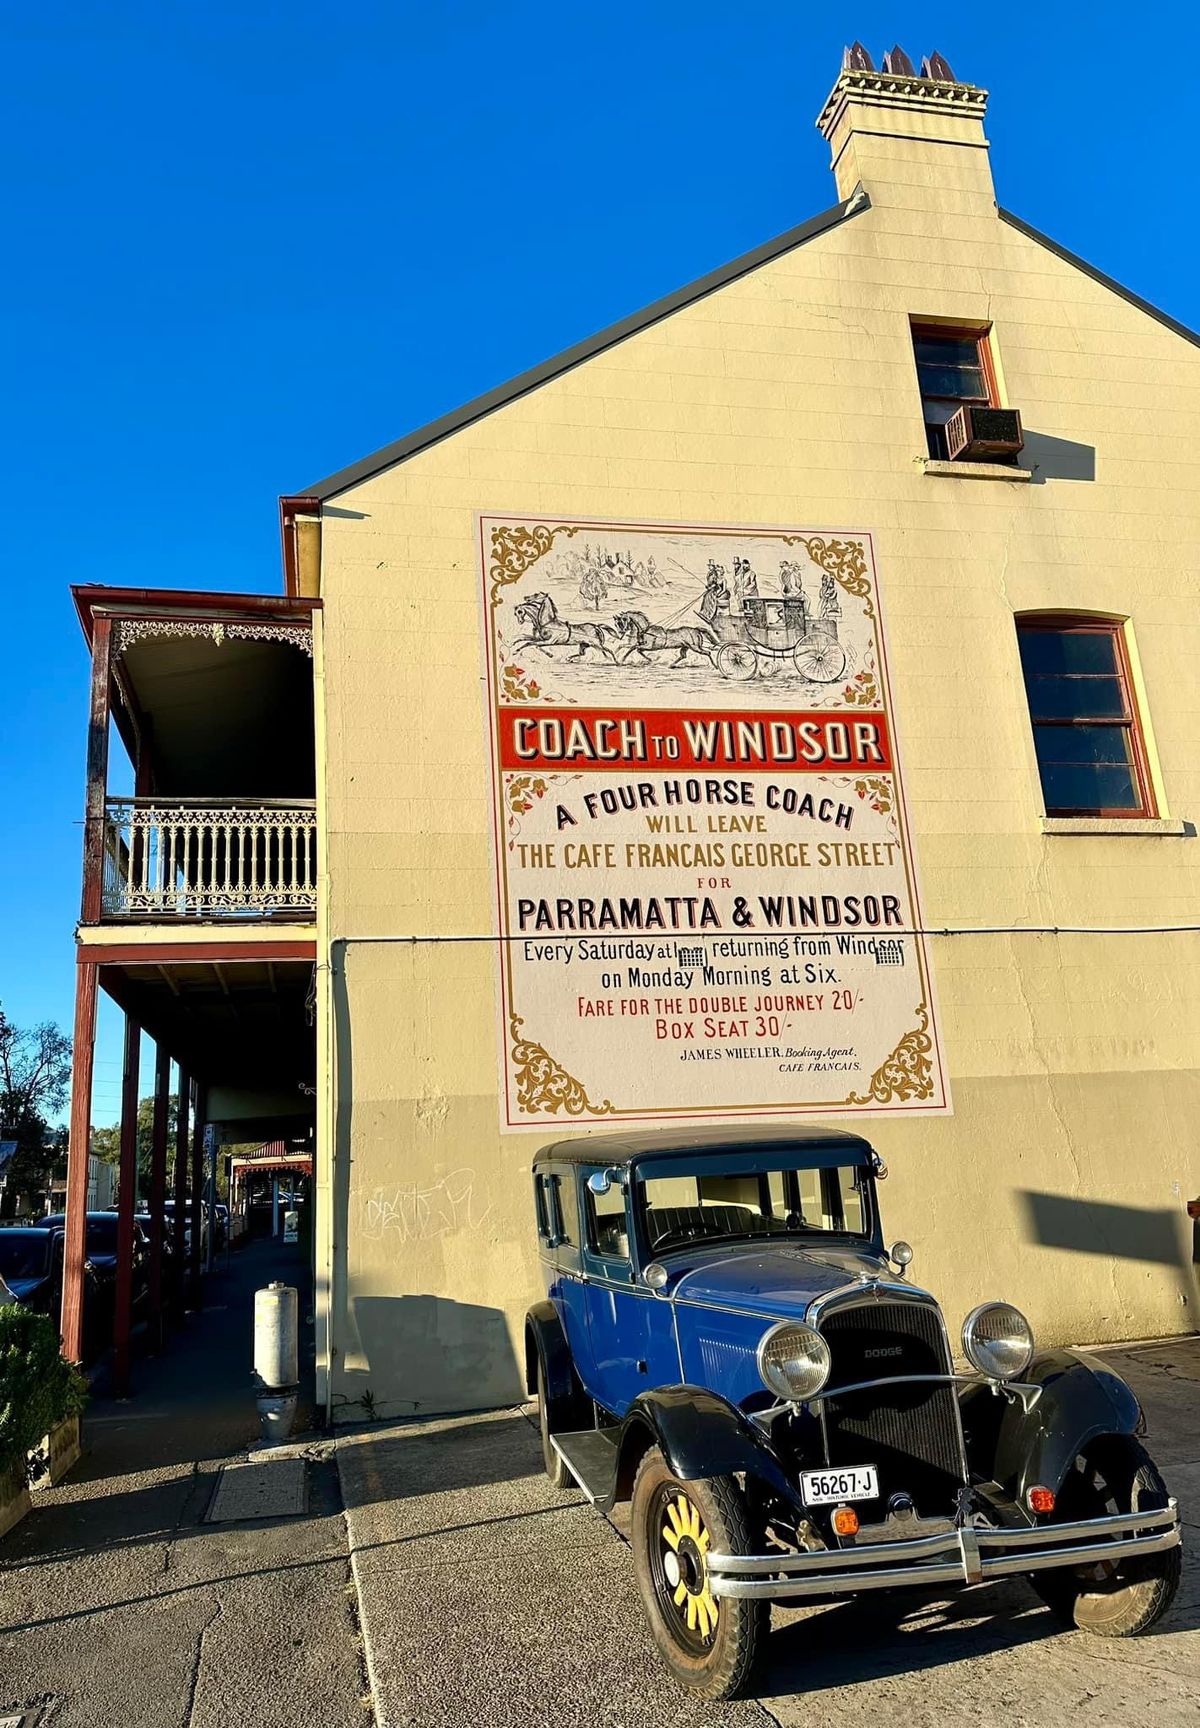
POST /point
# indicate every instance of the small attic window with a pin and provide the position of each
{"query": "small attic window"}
(954, 365)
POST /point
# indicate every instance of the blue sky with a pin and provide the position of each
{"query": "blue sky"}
(248, 243)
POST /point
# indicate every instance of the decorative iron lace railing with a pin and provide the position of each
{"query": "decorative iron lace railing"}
(201, 859)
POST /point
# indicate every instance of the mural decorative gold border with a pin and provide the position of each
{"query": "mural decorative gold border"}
(521, 789)
(844, 560)
(544, 1084)
(877, 790)
(517, 686)
(908, 1071)
(516, 548)
(862, 691)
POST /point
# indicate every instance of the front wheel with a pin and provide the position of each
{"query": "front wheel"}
(710, 1644)
(1114, 1598)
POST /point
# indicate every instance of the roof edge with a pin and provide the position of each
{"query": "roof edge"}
(90, 597)
(1155, 312)
(610, 337)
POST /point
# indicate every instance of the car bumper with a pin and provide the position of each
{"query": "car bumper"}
(958, 1557)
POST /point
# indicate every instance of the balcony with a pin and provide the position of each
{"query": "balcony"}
(211, 819)
(210, 859)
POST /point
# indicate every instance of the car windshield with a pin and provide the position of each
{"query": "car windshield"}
(734, 1206)
(24, 1254)
(102, 1234)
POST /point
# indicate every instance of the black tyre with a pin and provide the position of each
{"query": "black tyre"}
(1113, 1599)
(549, 1422)
(711, 1645)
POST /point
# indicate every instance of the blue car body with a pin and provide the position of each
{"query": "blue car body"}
(667, 1260)
(702, 1327)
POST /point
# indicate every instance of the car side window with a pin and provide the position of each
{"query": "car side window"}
(542, 1205)
(608, 1232)
(559, 1214)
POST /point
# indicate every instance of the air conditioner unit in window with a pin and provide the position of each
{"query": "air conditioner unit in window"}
(975, 434)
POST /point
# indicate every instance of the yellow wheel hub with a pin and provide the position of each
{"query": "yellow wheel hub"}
(687, 1539)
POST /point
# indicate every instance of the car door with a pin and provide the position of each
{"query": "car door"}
(562, 1207)
(631, 1332)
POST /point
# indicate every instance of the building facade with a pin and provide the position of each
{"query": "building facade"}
(828, 424)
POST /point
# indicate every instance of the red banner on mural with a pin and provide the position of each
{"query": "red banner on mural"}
(575, 738)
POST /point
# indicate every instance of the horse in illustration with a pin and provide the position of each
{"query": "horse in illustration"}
(546, 629)
(642, 637)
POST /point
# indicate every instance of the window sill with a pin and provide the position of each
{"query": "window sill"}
(977, 470)
(1113, 825)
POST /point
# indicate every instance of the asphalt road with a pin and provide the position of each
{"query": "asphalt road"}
(121, 1608)
(487, 1597)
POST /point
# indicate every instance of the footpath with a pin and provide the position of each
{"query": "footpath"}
(487, 1597)
(120, 1607)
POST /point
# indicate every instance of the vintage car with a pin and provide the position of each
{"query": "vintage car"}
(726, 1342)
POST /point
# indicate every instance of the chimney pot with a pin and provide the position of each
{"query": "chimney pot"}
(898, 63)
(856, 59)
(938, 68)
(881, 126)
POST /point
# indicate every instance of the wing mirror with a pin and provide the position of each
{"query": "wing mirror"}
(600, 1181)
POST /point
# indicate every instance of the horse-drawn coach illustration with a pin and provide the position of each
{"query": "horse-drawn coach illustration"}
(730, 626)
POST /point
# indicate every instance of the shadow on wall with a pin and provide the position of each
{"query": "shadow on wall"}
(449, 1356)
(429, 1354)
(1098, 1227)
(1058, 458)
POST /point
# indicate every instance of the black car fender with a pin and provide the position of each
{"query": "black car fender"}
(1025, 1442)
(699, 1434)
(546, 1341)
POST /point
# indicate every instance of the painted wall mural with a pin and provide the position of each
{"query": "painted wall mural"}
(705, 891)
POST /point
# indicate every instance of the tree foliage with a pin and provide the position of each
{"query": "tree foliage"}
(35, 1080)
(106, 1142)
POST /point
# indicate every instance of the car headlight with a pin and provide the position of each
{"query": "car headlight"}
(998, 1340)
(793, 1360)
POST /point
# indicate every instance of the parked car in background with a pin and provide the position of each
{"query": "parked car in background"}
(145, 1224)
(31, 1266)
(726, 1342)
(101, 1250)
(169, 1215)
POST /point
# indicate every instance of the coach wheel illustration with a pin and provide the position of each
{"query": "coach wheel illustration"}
(821, 662)
(736, 660)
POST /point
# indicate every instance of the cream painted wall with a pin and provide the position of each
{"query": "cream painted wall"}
(789, 398)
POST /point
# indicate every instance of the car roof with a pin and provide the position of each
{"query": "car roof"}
(633, 1147)
(58, 1220)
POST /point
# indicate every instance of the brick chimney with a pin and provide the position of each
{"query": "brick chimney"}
(910, 138)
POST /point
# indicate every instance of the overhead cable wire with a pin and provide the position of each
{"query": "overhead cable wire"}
(775, 933)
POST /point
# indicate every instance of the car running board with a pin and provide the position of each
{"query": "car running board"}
(591, 1457)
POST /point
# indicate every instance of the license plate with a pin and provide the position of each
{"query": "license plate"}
(829, 1487)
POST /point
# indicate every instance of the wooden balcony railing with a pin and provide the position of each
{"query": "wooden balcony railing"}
(203, 859)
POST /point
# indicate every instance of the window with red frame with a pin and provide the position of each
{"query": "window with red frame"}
(953, 367)
(1085, 726)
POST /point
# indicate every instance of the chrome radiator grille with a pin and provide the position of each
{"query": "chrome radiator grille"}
(910, 1432)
